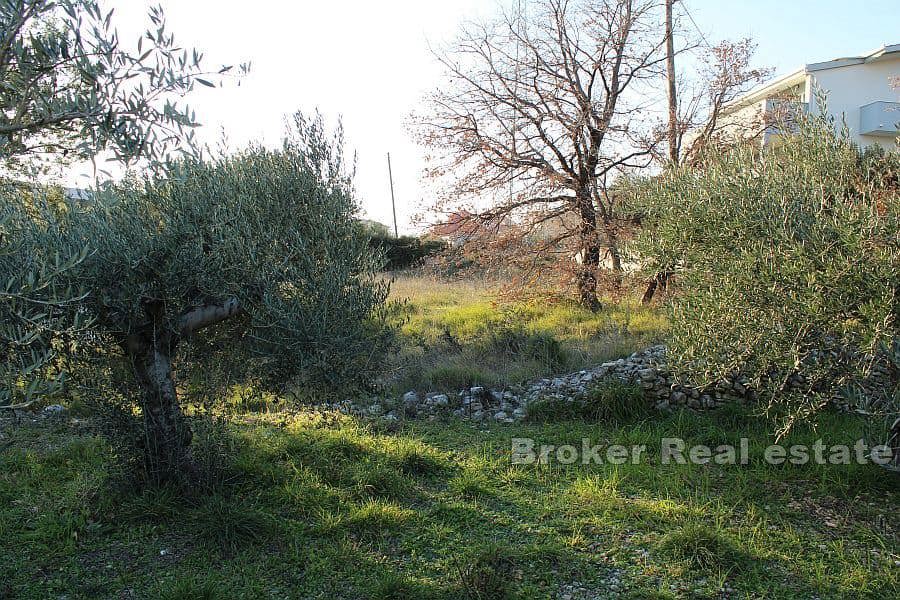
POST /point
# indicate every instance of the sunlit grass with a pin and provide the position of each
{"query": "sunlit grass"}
(453, 335)
(436, 510)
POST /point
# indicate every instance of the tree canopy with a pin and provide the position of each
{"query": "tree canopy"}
(265, 240)
(71, 88)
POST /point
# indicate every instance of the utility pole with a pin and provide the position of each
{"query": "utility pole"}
(393, 202)
(520, 18)
(661, 279)
(670, 74)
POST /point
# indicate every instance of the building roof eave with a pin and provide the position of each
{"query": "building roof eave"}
(766, 90)
(874, 55)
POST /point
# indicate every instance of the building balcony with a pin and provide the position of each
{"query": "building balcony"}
(879, 118)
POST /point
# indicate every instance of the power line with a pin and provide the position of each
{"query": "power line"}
(688, 13)
(393, 203)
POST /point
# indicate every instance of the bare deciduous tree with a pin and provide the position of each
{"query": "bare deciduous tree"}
(542, 111)
(725, 74)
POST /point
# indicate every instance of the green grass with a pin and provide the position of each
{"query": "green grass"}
(610, 401)
(317, 505)
(337, 508)
(459, 334)
(704, 548)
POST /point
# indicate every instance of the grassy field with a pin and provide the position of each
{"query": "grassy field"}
(319, 505)
(457, 334)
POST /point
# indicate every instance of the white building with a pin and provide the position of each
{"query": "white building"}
(862, 91)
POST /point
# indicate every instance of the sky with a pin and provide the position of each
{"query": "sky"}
(368, 63)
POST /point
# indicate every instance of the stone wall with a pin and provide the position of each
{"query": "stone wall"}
(646, 369)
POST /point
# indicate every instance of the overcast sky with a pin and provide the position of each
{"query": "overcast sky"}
(368, 62)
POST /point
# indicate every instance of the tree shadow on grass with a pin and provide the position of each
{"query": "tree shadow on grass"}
(392, 516)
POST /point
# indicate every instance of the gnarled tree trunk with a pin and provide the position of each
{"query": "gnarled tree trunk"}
(612, 245)
(167, 437)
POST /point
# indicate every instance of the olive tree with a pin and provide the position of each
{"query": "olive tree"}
(71, 88)
(787, 261)
(35, 301)
(265, 240)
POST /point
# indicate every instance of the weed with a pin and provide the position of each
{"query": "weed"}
(153, 504)
(380, 481)
(192, 587)
(486, 574)
(419, 461)
(470, 484)
(228, 524)
(375, 516)
(453, 377)
(704, 548)
(391, 586)
(610, 401)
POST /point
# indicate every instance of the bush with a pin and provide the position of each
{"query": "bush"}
(405, 251)
(788, 262)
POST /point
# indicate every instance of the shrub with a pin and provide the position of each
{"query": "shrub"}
(788, 263)
(405, 251)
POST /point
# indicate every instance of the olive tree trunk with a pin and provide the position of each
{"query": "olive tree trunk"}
(167, 437)
(659, 282)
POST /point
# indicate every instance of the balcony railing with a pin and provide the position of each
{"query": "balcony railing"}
(879, 118)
